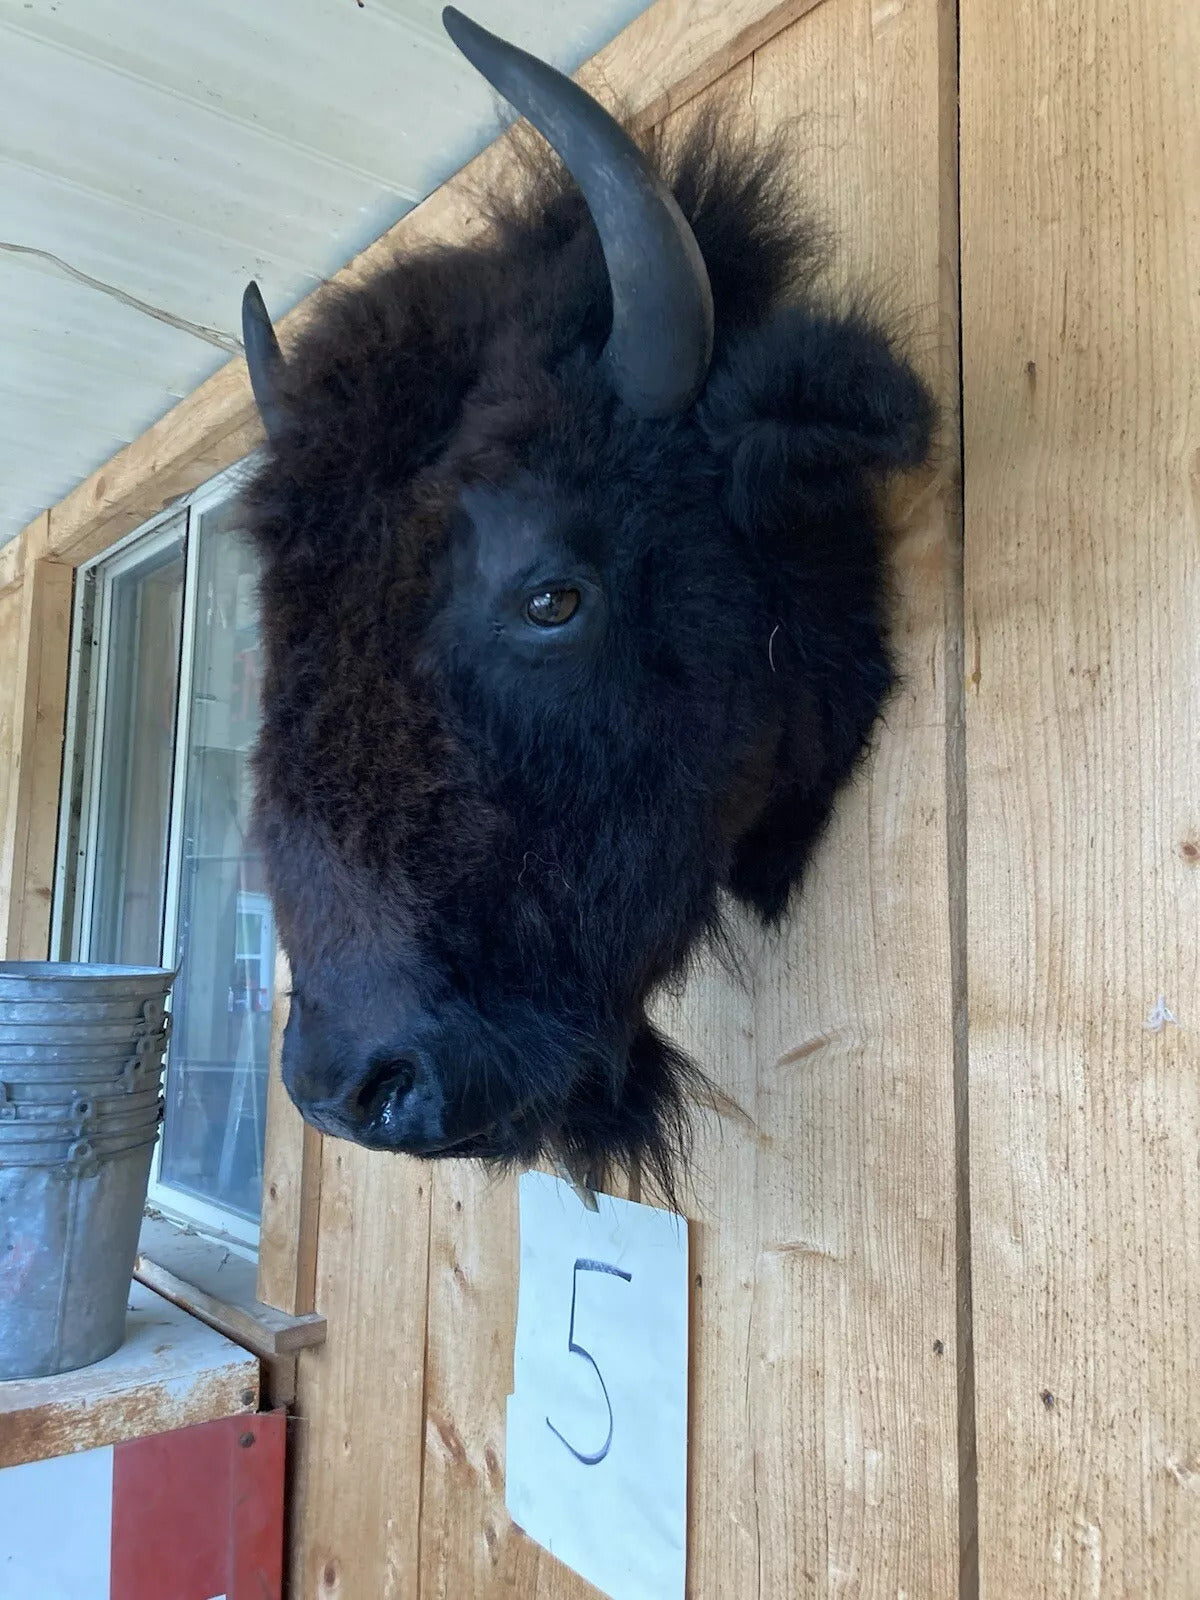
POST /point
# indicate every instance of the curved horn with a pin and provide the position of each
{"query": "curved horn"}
(662, 329)
(263, 356)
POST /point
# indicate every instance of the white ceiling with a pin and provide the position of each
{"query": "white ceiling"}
(154, 154)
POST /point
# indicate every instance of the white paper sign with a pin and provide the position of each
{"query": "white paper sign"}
(597, 1421)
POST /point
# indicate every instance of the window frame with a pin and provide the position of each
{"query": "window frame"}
(79, 808)
(78, 834)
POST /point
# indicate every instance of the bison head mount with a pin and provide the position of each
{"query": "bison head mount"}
(574, 615)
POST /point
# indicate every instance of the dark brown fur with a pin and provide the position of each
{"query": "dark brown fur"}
(488, 850)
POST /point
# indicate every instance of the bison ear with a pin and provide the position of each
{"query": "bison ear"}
(805, 403)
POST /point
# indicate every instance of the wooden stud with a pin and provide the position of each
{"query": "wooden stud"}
(12, 561)
(10, 673)
(38, 716)
(291, 1197)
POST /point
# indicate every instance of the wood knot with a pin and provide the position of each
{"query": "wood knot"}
(449, 1435)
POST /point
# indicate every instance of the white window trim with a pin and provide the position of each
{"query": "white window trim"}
(239, 1233)
(173, 529)
(80, 745)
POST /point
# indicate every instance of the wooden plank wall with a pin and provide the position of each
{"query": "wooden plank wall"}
(963, 1198)
(1081, 341)
(824, 1416)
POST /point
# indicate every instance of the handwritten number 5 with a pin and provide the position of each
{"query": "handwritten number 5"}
(576, 1349)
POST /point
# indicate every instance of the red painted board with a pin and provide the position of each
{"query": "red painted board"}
(198, 1513)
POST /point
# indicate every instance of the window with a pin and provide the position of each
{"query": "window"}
(154, 859)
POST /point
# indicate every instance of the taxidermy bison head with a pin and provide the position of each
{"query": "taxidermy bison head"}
(573, 613)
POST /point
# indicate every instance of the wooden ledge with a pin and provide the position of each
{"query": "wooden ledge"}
(217, 1286)
(170, 1372)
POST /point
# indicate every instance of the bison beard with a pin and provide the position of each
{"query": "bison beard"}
(558, 652)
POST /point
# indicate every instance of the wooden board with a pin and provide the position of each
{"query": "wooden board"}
(291, 1190)
(824, 1452)
(1081, 340)
(10, 657)
(218, 1286)
(12, 563)
(468, 1543)
(359, 1438)
(170, 1372)
(824, 1419)
(35, 739)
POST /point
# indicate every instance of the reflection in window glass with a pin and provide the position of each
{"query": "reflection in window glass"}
(137, 738)
(217, 1074)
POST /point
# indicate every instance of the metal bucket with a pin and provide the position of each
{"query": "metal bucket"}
(80, 1061)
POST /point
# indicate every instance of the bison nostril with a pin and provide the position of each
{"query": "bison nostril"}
(386, 1084)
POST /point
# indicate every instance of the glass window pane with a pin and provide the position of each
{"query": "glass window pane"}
(217, 1072)
(136, 740)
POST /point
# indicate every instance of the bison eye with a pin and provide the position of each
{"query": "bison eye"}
(552, 607)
